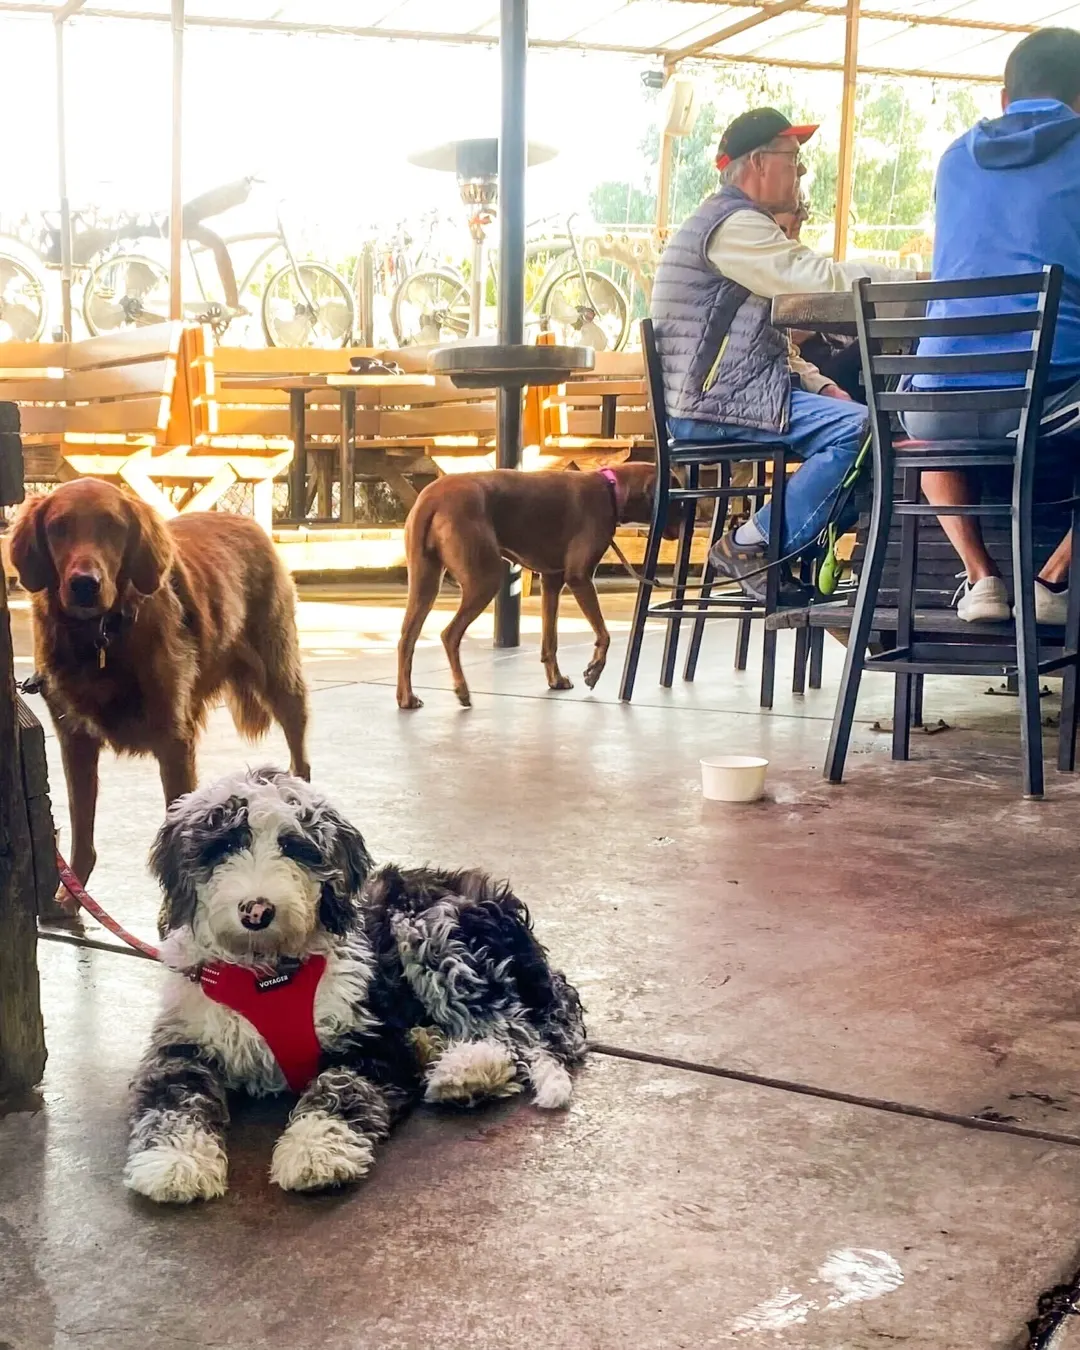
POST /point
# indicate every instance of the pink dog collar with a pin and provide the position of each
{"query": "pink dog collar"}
(612, 480)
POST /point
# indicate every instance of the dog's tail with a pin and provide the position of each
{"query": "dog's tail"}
(250, 714)
(418, 542)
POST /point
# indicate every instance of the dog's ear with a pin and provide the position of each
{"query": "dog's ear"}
(148, 553)
(172, 865)
(30, 554)
(347, 855)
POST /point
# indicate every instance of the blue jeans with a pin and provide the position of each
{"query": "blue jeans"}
(826, 433)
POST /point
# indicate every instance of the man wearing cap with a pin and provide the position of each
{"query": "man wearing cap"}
(726, 368)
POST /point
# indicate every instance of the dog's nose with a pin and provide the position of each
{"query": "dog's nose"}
(85, 588)
(257, 914)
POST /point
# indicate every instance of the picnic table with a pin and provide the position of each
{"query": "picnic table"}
(350, 391)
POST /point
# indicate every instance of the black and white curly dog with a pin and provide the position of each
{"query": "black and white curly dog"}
(294, 966)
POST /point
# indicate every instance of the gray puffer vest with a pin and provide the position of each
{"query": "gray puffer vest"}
(723, 360)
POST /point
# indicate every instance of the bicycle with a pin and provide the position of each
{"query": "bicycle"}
(581, 305)
(33, 244)
(301, 304)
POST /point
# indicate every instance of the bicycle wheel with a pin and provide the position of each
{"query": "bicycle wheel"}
(315, 310)
(429, 308)
(126, 291)
(22, 302)
(604, 324)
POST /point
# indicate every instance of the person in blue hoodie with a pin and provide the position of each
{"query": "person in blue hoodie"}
(1008, 201)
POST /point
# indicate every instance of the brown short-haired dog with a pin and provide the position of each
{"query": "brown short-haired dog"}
(557, 524)
(139, 623)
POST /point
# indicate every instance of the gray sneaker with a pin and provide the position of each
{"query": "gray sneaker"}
(743, 563)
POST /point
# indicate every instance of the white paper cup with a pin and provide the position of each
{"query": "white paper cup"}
(733, 778)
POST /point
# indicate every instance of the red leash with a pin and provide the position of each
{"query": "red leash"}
(78, 894)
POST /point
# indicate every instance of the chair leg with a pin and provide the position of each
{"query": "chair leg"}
(802, 652)
(742, 641)
(909, 558)
(645, 588)
(862, 621)
(773, 553)
(802, 642)
(917, 700)
(817, 656)
(678, 592)
(1027, 642)
(1067, 732)
(708, 576)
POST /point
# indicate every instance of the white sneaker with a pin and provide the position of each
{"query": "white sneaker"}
(1050, 606)
(983, 601)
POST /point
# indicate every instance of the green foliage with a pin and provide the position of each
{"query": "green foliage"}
(898, 137)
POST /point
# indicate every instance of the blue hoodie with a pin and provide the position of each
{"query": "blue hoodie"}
(1008, 201)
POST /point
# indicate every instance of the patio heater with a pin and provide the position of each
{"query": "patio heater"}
(475, 162)
(509, 364)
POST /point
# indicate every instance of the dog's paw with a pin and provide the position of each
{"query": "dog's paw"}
(551, 1082)
(408, 704)
(563, 682)
(175, 1171)
(471, 1071)
(464, 697)
(317, 1151)
(593, 671)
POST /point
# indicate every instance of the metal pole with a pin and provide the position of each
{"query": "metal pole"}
(513, 49)
(176, 204)
(846, 163)
(479, 285)
(65, 204)
(367, 296)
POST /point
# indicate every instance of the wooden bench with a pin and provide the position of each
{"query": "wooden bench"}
(87, 407)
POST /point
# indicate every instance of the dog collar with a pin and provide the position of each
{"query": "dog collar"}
(611, 478)
(279, 1002)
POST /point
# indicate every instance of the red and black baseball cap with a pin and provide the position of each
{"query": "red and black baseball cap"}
(754, 130)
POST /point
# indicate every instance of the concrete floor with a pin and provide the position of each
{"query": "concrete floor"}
(908, 936)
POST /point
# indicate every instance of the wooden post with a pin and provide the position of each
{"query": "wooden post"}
(22, 1031)
(663, 186)
(845, 166)
(176, 204)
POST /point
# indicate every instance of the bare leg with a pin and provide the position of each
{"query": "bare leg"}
(425, 578)
(1057, 567)
(950, 487)
(551, 584)
(80, 755)
(585, 594)
(477, 592)
(176, 760)
(202, 234)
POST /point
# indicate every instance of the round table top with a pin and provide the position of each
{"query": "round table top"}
(474, 158)
(497, 365)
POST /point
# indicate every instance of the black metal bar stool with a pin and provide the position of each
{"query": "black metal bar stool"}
(689, 458)
(937, 642)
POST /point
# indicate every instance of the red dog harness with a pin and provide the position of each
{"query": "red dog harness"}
(280, 1005)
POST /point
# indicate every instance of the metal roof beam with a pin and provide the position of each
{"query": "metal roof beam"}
(764, 14)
